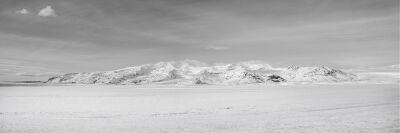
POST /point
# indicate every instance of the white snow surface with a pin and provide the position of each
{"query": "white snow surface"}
(194, 72)
(310, 108)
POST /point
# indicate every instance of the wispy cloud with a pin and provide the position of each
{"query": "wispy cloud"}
(12, 69)
(22, 11)
(216, 47)
(38, 74)
(48, 11)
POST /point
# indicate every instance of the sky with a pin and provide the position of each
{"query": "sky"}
(42, 38)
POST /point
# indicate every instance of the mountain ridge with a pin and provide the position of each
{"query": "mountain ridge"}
(195, 72)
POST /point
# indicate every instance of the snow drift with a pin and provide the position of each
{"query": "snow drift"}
(194, 72)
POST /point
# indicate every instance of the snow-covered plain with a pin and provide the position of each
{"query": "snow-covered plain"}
(319, 108)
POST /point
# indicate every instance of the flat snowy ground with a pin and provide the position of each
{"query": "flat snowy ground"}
(299, 108)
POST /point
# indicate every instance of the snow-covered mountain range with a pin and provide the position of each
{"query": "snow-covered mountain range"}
(194, 72)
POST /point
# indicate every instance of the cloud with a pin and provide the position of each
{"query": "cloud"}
(216, 47)
(47, 12)
(46, 74)
(22, 11)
